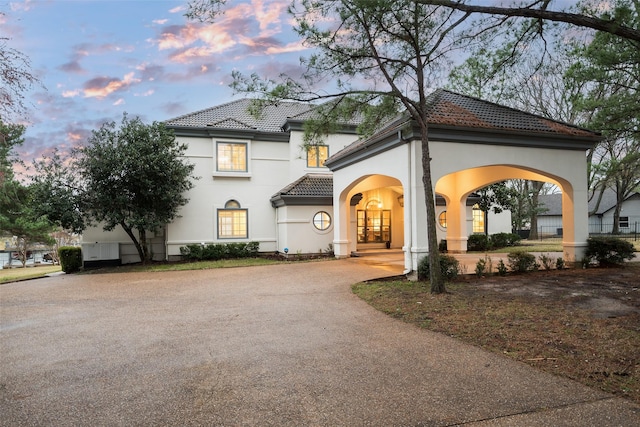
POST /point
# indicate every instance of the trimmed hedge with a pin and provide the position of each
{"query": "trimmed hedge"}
(449, 266)
(608, 250)
(70, 258)
(216, 251)
(481, 243)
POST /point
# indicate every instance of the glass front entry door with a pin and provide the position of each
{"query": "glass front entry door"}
(374, 226)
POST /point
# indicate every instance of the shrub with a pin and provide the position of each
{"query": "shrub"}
(503, 240)
(442, 246)
(70, 258)
(521, 262)
(559, 264)
(449, 266)
(484, 265)
(502, 269)
(608, 250)
(192, 252)
(478, 242)
(546, 261)
(216, 251)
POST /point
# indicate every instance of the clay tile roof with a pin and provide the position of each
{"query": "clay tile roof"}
(236, 115)
(309, 185)
(450, 108)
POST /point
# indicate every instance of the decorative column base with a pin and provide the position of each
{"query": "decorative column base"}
(457, 245)
(341, 248)
(574, 253)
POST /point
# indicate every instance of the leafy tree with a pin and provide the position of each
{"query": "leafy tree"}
(132, 176)
(59, 190)
(17, 217)
(497, 198)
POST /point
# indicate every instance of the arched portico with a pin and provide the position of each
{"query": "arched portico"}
(457, 186)
(472, 143)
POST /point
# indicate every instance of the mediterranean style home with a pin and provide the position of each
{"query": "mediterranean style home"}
(258, 183)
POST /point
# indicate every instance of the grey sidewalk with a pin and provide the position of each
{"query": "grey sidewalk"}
(261, 346)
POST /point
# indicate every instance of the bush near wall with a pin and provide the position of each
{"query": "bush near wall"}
(481, 243)
(216, 251)
(449, 266)
(70, 258)
(608, 250)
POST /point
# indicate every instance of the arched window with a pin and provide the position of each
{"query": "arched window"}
(322, 220)
(232, 221)
(478, 219)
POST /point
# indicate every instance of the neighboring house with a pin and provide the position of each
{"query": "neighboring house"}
(601, 215)
(258, 182)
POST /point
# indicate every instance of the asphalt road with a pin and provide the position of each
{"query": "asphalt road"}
(282, 345)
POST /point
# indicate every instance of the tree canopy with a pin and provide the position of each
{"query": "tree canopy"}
(132, 175)
(18, 219)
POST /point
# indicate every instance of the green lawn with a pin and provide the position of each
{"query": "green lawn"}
(13, 274)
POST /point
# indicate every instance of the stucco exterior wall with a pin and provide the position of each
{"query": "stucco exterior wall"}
(297, 232)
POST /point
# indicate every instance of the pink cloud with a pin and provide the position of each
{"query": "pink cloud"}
(101, 87)
(70, 93)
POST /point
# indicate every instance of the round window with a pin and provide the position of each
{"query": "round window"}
(321, 221)
(442, 219)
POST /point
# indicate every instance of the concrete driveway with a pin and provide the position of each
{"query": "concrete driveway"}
(282, 345)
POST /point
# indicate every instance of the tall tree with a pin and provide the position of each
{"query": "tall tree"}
(381, 56)
(133, 176)
(609, 67)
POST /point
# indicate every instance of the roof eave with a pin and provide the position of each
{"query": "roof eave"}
(280, 200)
(212, 132)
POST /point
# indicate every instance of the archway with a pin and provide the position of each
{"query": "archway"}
(371, 215)
(456, 187)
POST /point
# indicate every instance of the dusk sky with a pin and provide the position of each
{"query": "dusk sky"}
(98, 59)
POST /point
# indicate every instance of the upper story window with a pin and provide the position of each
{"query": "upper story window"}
(316, 155)
(231, 157)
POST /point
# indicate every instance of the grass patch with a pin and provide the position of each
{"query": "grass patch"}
(534, 319)
(183, 266)
(14, 274)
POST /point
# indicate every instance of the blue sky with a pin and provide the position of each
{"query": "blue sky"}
(98, 59)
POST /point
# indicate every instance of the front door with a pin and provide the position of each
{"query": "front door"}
(374, 226)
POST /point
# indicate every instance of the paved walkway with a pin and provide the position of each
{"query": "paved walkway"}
(284, 345)
(392, 260)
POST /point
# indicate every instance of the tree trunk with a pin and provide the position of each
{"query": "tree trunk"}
(435, 275)
(136, 243)
(616, 219)
(536, 187)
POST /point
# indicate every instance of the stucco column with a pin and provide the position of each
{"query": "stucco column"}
(419, 244)
(341, 226)
(575, 224)
(457, 225)
(353, 229)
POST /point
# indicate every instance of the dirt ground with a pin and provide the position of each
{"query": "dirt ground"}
(606, 292)
(583, 324)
